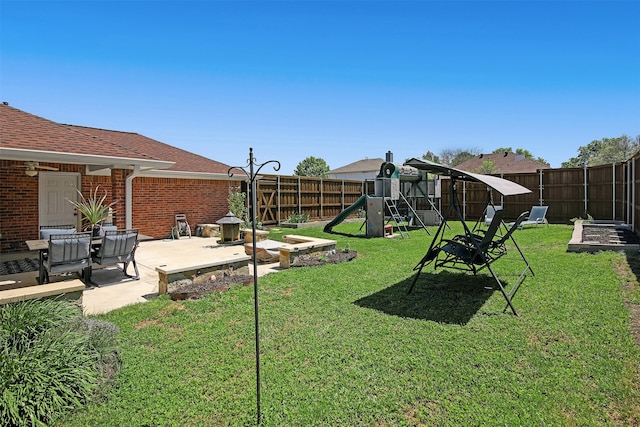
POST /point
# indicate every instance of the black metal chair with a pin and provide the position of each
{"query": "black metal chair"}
(118, 247)
(68, 253)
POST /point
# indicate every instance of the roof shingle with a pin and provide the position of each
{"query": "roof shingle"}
(24, 131)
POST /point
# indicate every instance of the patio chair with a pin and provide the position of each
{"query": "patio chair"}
(118, 246)
(537, 216)
(105, 228)
(68, 253)
(491, 210)
(48, 230)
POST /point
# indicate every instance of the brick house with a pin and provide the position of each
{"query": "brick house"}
(43, 162)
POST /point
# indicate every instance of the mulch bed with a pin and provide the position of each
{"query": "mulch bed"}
(322, 258)
(190, 290)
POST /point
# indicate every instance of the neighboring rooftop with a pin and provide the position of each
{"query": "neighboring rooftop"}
(503, 163)
(365, 165)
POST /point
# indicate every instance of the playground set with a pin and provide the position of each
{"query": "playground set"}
(404, 197)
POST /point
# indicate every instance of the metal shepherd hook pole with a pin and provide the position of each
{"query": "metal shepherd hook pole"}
(252, 175)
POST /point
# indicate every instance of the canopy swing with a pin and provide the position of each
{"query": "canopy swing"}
(476, 249)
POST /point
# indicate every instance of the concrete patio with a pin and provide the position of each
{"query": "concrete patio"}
(115, 290)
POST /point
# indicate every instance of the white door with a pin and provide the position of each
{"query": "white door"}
(54, 190)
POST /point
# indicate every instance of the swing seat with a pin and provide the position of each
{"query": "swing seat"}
(467, 252)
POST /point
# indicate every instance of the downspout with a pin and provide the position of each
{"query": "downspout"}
(128, 196)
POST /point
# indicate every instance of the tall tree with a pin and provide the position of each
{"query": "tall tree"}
(462, 157)
(455, 156)
(429, 155)
(312, 166)
(604, 151)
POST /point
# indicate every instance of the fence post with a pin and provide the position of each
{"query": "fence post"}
(299, 196)
(321, 199)
(541, 187)
(629, 184)
(633, 194)
(613, 190)
(585, 190)
(464, 200)
(279, 201)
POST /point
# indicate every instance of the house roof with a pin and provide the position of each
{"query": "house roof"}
(27, 136)
(365, 165)
(184, 160)
(504, 163)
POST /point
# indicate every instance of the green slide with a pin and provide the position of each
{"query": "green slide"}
(345, 213)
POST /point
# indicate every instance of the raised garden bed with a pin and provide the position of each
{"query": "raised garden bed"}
(599, 235)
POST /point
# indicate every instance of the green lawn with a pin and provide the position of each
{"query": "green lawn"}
(344, 345)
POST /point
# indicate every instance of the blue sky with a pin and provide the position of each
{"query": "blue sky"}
(340, 80)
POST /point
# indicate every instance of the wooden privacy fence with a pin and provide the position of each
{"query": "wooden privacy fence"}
(280, 197)
(606, 192)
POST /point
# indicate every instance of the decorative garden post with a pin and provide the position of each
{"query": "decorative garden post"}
(252, 175)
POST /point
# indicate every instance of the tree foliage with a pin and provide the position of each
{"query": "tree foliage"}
(312, 166)
(487, 167)
(604, 151)
(455, 156)
(430, 156)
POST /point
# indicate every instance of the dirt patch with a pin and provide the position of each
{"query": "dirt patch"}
(322, 258)
(194, 290)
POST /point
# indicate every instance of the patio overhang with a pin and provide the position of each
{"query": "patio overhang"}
(94, 162)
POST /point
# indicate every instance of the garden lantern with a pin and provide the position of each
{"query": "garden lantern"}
(230, 228)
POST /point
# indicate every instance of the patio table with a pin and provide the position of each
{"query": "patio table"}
(42, 245)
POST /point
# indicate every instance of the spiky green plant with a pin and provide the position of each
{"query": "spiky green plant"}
(93, 208)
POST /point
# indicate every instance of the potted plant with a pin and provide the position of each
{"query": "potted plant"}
(93, 209)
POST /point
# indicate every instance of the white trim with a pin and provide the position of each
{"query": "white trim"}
(190, 175)
(72, 158)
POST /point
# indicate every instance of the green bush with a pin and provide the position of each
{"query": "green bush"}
(51, 360)
(298, 218)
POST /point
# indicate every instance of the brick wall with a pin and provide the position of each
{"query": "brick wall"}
(155, 202)
(18, 206)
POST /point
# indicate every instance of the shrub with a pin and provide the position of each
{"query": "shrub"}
(51, 360)
(298, 218)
